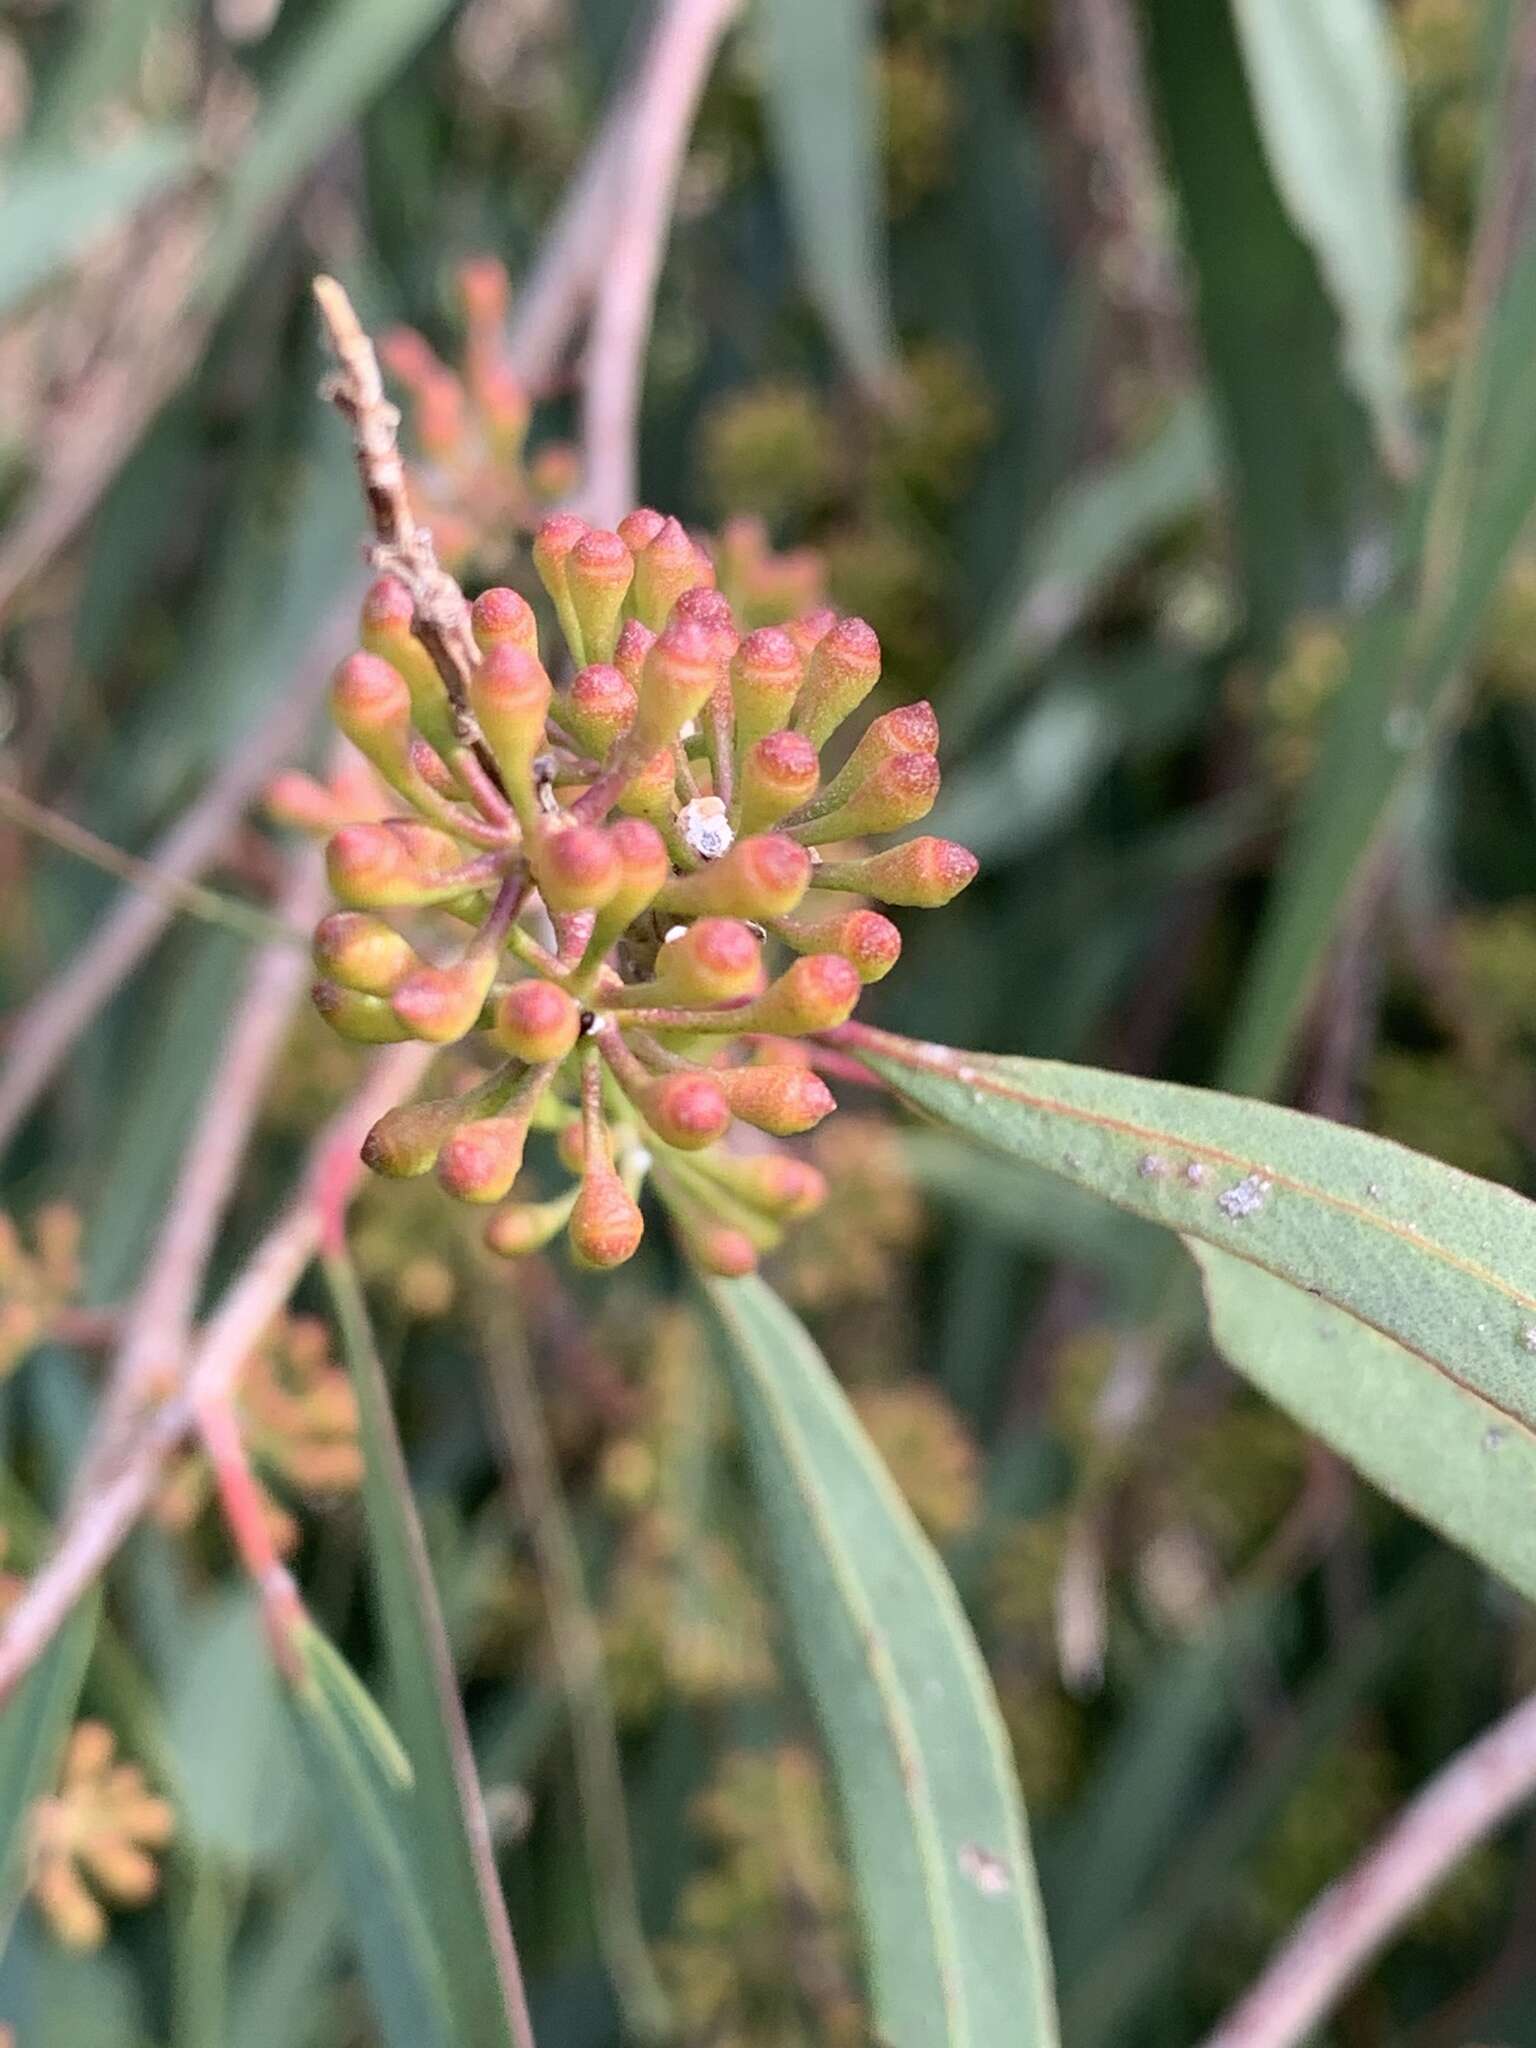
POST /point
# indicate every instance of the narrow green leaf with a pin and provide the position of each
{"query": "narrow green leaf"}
(1088, 534)
(1329, 102)
(1428, 1351)
(361, 1776)
(1436, 1446)
(946, 1888)
(821, 120)
(53, 207)
(1296, 442)
(32, 1731)
(449, 1830)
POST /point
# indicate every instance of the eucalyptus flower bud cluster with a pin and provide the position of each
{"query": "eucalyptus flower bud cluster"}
(650, 870)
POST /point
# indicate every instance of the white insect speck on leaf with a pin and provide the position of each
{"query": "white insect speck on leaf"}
(987, 1872)
(1152, 1166)
(706, 828)
(1374, 1191)
(1528, 1338)
(1244, 1198)
(1194, 1173)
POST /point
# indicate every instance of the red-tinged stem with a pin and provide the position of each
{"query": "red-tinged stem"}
(485, 794)
(245, 1516)
(841, 1068)
(1475, 1794)
(594, 1127)
(918, 1054)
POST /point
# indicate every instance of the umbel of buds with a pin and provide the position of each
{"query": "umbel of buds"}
(648, 868)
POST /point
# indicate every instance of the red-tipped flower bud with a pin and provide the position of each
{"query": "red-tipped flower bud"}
(537, 1022)
(398, 865)
(774, 1182)
(812, 994)
(778, 774)
(665, 567)
(524, 1227)
(443, 1004)
(405, 1142)
(552, 548)
(897, 793)
(716, 960)
(680, 673)
(633, 645)
(606, 1224)
(598, 709)
(844, 667)
(719, 1248)
(765, 680)
(705, 606)
(576, 868)
(649, 791)
(361, 952)
(910, 729)
(639, 528)
(372, 706)
(864, 937)
(504, 618)
(598, 573)
(686, 1110)
(480, 1161)
(365, 1020)
(760, 878)
(922, 874)
(509, 694)
(782, 1100)
(387, 618)
(811, 629)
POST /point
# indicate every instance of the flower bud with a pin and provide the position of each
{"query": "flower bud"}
(643, 866)
(779, 773)
(598, 572)
(405, 1142)
(665, 567)
(442, 1004)
(871, 942)
(576, 868)
(922, 874)
(524, 1227)
(687, 1110)
(650, 790)
(782, 1100)
(765, 680)
(632, 646)
(361, 952)
(639, 528)
(598, 709)
(811, 629)
(719, 1248)
(509, 694)
(552, 548)
(705, 606)
(774, 1182)
(365, 1020)
(372, 706)
(537, 1022)
(844, 667)
(812, 994)
(387, 617)
(301, 803)
(760, 878)
(504, 618)
(680, 673)
(910, 729)
(716, 960)
(606, 1225)
(480, 1161)
(396, 865)
(897, 793)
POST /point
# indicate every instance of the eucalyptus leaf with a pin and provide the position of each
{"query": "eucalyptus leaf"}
(946, 1887)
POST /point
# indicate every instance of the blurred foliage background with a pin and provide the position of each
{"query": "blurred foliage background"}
(1016, 313)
